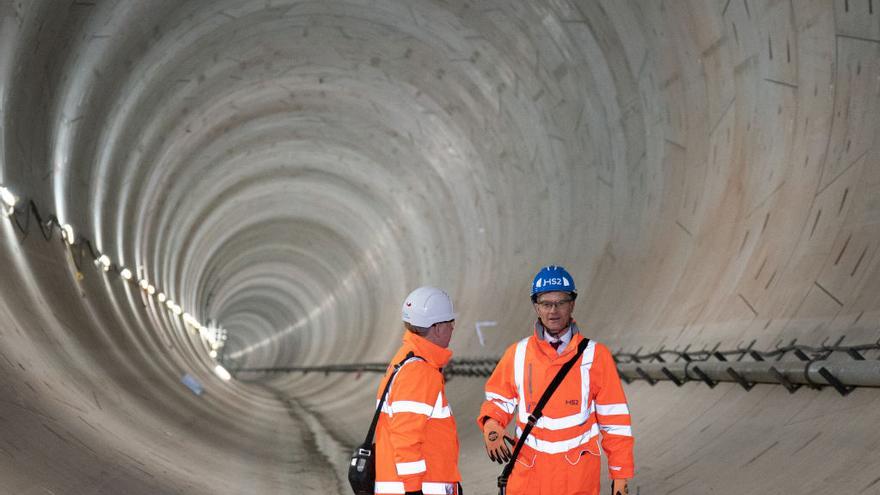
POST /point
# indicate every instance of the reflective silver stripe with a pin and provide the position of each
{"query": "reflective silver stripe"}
(389, 487)
(505, 404)
(440, 411)
(415, 467)
(493, 396)
(437, 411)
(586, 364)
(560, 446)
(622, 430)
(548, 422)
(433, 488)
(428, 487)
(564, 422)
(400, 406)
(519, 365)
(507, 408)
(612, 409)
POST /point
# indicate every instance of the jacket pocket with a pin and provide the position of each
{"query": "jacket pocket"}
(574, 455)
(526, 459)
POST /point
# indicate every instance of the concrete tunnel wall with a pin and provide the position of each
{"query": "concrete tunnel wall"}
(709, 172)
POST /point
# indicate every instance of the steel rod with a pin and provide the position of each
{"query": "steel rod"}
(851, 373)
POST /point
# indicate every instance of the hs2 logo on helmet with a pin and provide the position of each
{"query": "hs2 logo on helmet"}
(541, 282)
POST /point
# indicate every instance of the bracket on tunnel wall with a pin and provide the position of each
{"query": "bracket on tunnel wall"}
(740, 379)
(842, 389)
(784, 381)
(704, 377)
(645, 376)
(674, 379)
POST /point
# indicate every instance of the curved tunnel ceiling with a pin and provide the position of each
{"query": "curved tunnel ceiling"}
(709, 171)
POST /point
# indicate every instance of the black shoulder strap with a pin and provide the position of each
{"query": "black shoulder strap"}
(369, 439)
(538, 411)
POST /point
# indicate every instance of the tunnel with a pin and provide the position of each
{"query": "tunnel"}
(198, 186)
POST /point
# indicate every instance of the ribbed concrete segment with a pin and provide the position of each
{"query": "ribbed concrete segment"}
(708, 171)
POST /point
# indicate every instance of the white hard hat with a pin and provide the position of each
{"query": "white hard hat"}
(426, 306)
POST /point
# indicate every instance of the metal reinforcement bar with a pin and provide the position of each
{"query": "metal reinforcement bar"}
(842, 375)
(465, 367)
(792, 366)
(332, 368)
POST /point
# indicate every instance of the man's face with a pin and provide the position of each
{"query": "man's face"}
(554, 310)
(443, 332)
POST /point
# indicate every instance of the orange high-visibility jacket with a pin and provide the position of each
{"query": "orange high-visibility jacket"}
(589, 400)
(416, 438)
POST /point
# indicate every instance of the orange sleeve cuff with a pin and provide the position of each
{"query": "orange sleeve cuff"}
(490, 410)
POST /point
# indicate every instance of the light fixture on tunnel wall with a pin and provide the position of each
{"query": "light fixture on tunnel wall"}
(215, 336)
(189, 320)
(162, 297)
(222, 373)
(9, 200)
(151, 290)
(104, 262)
(144, 284)
(125, 273)
(174, 307)
(67, 233)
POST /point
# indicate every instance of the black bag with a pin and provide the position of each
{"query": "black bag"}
(362, 469)
(536, 415)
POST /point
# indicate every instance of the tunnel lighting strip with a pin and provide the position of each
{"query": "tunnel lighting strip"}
(104, 261)
(8, 201)
(79, 246)
(812, 367)
(221, 372)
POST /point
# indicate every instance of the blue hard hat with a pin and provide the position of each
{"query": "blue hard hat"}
(553, 278)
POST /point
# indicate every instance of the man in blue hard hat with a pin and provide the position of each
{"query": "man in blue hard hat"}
(561, 454)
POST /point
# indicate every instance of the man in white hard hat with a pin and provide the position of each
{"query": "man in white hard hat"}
(416, 437)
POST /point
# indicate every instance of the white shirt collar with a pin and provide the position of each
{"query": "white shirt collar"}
(565, 338)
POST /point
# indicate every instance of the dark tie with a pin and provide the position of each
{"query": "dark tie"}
(555, 344)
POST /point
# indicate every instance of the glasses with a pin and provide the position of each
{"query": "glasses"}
(550, 305)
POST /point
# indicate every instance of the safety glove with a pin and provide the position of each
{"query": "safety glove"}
(619, 487)
(495, 437)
